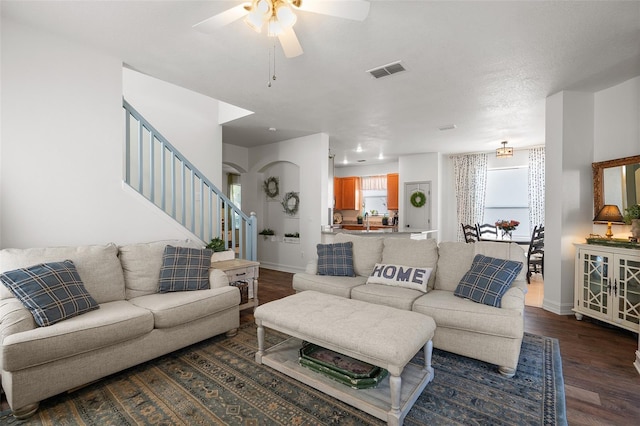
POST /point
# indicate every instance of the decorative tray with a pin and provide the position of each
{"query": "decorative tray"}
(341, 368)
(613, 242)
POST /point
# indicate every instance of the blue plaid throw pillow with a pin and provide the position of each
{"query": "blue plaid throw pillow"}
(51, 291)
(336, 259)
(184, 269)
(488, 279)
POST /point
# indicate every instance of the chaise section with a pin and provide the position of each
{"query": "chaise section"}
(338, 286)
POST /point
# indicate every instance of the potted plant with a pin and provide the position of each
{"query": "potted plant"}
(632, 217)
(385, 220)
(293, 237)
(266, 232)
(216, 244)
(220, 252)
(359, 218)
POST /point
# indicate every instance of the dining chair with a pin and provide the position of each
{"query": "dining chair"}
(470, 233)
(535, 254)
(487, 228)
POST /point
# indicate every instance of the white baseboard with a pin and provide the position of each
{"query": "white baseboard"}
(558, 309)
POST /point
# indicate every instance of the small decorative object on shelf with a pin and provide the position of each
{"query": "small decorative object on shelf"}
(266, 232)
(293, 237)
(359, 219)
(290, 203)
(507, 227)
(632, 217)
(418, 199)
(271, 187)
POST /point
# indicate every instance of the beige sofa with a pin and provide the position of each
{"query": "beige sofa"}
(133, 324)
(491, 334)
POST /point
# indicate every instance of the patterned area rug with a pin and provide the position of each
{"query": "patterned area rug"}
(218, 382)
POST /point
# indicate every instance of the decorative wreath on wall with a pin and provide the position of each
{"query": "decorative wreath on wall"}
(271, 186)
(418, 199)
(290, 203)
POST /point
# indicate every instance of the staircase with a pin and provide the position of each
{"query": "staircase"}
(157, 170)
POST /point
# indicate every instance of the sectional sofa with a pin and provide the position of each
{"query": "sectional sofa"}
(463, 326)
(132, 324)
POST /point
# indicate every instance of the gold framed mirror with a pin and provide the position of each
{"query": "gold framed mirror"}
(616, 182)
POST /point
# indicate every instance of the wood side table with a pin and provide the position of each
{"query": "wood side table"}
(242, 270)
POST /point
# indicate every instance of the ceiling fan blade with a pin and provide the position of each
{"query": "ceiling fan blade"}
(290, 43)
(356, 10)
(218, 21)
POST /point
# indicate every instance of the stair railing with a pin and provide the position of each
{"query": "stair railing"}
(160, 173)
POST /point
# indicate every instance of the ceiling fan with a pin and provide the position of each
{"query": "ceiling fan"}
(278, 17)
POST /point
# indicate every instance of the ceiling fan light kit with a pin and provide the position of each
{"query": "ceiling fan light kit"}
(279, 17)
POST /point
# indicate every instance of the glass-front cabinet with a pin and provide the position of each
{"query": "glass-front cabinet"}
(608, 285)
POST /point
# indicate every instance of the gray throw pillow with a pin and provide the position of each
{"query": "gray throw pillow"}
(184, 269)
(488, 279)
(52, 291)
(336, 259)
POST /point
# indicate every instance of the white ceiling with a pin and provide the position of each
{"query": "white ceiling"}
(484, 66)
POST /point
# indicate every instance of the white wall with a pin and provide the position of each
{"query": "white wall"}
(421, 168)
(368, 170)
(62, 147)
(188, 120)
(311, 155)
(617, 121)
(569, 198)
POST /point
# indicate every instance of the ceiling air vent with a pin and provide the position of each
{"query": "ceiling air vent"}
(385, 70)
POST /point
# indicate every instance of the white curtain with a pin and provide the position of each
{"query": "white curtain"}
(470, 174)
(378, 183)
(536, 187)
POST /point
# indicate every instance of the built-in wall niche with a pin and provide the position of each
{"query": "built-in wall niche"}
(274, 216)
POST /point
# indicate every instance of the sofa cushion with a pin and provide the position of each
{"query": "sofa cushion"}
(488, 279)
(412, 277)
(172, 309)
(113, 323)
(141, 265)
(367, 251)
(335, 259)
(184, 269)
(450, 311)
(52, 291)
(97, 265)
(339, 286)
(421, 253)
(454, 261)
(381, 294)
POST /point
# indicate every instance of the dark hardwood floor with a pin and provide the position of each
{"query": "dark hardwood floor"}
(602, 386)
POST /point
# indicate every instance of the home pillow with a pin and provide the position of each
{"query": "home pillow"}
(412, 277)
(51, 291)
(336, 259)
(488, 279)
(184, 269)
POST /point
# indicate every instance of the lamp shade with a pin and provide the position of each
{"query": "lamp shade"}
(609, 213)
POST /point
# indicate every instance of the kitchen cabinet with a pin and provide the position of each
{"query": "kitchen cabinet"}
(347, 193)
(392, 191)
(607, 285)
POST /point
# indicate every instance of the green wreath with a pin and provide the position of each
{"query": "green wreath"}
(271, 187)
(289, 209)
(418, 199)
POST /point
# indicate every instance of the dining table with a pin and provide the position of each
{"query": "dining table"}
(523, 241)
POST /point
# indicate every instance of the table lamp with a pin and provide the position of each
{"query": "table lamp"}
(609, 213)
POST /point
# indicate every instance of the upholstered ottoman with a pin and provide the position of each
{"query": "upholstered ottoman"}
(380, 335)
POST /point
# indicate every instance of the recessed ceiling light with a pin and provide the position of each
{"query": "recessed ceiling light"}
(359, 148)
(380, 157)
(447, 127)
(272, 129)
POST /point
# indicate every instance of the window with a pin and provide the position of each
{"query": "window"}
(507, 197)
(235, 195)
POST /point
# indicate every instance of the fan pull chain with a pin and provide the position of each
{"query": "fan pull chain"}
(270, 76)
